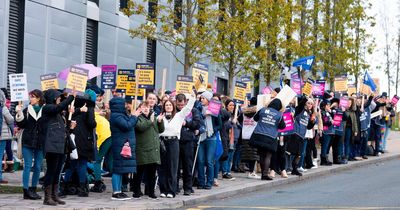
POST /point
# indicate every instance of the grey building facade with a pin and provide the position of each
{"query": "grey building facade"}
(46, 36)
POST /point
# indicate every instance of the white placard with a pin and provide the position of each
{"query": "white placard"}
(263, 100)
(18, 87)
(286, 95)
(376, 114)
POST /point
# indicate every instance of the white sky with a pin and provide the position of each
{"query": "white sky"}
(380, 9)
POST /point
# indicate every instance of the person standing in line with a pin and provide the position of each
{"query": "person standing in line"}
(6, 123)
(55, 130)
(173, 122)
(122, 127)
(32, 141)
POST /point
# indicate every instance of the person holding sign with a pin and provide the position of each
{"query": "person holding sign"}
(29, 119)
(55, 134)
(327, 132)
(264, 137)
(339, 120)
(364, 115)
(377, 123)
(173, 122)
(6, 123)
(351, 131)
(208, 141)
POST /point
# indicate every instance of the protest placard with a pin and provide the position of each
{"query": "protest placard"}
(18, 87)
(77, 78)
(248, 81)
(122, 79)
(318, 87)
(295, 83)
(286, 95)
(263, 100)
(239, 94)
(266, 90)
(200, 75)
(131, 87)
(395, 99)
(184, 84)
(340, 83)
(108, 76)
(344, 102)
(376, 114)
(214, 107)
(337, 119)
(49, 81)
(289, 122)
(145, 75)
(307, 88)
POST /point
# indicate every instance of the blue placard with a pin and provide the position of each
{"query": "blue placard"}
(108, 76)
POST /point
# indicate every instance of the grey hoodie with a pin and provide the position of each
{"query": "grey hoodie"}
(8, 120)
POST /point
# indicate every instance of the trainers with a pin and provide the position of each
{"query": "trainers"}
(162, 195)
(272, 174)
(284, 174)
(187, 192)
(301, 170)
(136, 195)
(253, 176)
(215, 183)
(364, 157)
(228, 177)
(169, 195)
(120, 196)
(153, 197)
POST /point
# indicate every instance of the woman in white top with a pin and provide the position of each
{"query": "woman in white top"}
(173, 122)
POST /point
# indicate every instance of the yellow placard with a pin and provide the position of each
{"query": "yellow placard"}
(239, 94)
(184, 84)
(131, 89)
(77, 78)
(146, 77)
(351, 89)
(123, 77)
(49, 81)
(307, 89)
(200, 76)
(340, 84)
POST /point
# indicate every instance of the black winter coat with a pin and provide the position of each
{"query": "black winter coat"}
(32, 136)
(85, 125)
(192, 124)
(54, 126)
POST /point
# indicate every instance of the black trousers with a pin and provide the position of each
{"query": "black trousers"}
(150, 171)
(169, 167)
(278, 160)
(311, 152)
(336, 140)
(186, 159)
(54, 163)
(265, 161)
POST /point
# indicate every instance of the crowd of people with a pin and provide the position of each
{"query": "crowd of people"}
(164, 139)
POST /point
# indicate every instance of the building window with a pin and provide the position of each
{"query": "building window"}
(95, 1)
(123, 4)
(91, 43)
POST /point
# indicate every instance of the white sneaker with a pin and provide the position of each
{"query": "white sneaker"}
(315, 163)
(253, 176)
(301, 169)
(170, 196)
(162, 195)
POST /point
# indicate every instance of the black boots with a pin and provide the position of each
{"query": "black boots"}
(325, 161)
(83, 190)
(48, 200)
(31, 194)
(98, 187)
(54, 195)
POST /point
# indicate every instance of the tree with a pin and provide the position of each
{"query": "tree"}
(179, 26)
(235, 39)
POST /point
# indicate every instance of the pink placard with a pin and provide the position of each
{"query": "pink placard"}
(266, 90)
(296, 85)
(288, 118)
(337, 119)
(344, 102)
(214, 107)
(395, 99)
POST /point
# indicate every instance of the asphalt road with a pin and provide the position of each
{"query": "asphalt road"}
(372, 187)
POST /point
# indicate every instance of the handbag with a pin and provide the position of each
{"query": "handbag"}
(126, 151)
(19, 143)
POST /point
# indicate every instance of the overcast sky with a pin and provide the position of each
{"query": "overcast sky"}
(381, 9)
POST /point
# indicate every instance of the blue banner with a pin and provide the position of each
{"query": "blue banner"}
(305, 62)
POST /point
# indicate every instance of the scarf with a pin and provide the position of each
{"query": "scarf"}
(209, 126)
(36, 108)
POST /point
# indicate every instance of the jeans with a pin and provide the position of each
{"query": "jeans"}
(226, 165)
(303, 153)
(236, 156)
(54, 163)
(80, 166)
(205, 158)
(104, 150)
(217, 167)
(31, 155)
(9, 152)
(2, 148)
(169, 167)
(116, 182)
(347, 143)
(385, 136)
(325, 144)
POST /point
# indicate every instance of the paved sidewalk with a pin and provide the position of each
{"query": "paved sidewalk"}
(237, 187)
